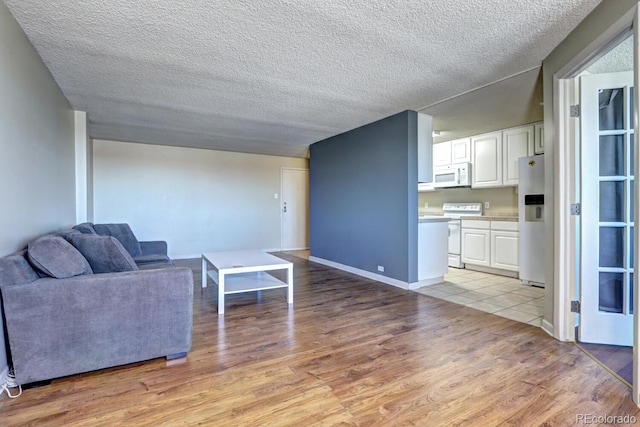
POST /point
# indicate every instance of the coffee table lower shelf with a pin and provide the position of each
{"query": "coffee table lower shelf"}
(248, 282)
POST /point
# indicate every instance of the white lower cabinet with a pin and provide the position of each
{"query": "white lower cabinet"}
(476, 242)
(504, 250)
(492, 244)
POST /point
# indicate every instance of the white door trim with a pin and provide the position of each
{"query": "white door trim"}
(636, 127)
(565, 238)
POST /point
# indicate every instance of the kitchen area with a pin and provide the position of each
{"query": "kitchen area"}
(490, 187)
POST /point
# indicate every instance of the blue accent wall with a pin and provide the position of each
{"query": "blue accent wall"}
(364, 197)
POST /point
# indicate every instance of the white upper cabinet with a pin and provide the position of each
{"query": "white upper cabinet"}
(451, 152)
(538, 138)
(461, 150)
(516, 143)
(495, 156)
(442, 154)
(486, 170)
(425, 186)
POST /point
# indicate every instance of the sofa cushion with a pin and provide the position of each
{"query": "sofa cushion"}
(154, 265)
(123, 233)
(85, 227)
(105, 253)
(154, 247)
(56, 257)
(16, 270)
(150, 259)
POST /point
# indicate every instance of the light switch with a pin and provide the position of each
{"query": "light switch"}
(275, 195)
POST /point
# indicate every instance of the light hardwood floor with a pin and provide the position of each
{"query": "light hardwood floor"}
(350, 351)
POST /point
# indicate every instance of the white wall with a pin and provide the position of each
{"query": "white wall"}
(36, 146)
(197, 200)
(84, 171)
(502, 200)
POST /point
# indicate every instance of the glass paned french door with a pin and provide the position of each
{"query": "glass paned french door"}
(607, 175)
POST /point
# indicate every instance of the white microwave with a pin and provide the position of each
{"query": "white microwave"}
(456, 175)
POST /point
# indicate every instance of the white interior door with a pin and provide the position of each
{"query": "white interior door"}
(607, 218)
(295, 209)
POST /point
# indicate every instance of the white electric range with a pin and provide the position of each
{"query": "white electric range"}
(454, 211)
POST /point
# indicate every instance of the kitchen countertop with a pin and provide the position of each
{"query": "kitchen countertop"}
(498, 216)
(432, 218)
(492, 217)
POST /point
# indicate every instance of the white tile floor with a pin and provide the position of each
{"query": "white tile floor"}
(503, 296)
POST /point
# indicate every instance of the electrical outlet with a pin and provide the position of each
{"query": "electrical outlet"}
(275, 195)
(381, 269)
(426, 205)
(486, 205)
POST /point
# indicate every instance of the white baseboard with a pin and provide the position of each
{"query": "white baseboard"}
(188, 256)
(547, 327)
(199, 255)
(490, 270)
(364, 273)
(426, 282)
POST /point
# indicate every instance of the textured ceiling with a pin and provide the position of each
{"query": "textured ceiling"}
(619, 58)
(274, 76)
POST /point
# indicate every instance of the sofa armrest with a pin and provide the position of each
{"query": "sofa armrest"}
(59, 327)
(158, 247)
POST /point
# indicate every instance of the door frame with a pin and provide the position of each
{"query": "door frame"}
(563, 157)
(282, 169)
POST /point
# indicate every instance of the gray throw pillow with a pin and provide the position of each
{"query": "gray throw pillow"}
(85, 227)
(55, 257)
(123, 233)
(105, 253)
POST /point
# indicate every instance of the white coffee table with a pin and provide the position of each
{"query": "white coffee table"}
(245, 271)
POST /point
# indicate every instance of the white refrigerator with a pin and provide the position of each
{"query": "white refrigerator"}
(531, 220)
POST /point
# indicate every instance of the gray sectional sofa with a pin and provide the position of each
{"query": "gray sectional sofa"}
(92, 297)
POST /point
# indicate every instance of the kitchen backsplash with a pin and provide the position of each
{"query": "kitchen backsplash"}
(502, 200)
